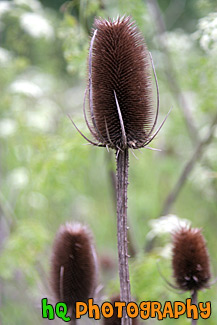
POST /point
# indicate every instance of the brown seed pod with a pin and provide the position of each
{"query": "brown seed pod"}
(73, 264)
(190, 261)
(114, 320)
(120, 87)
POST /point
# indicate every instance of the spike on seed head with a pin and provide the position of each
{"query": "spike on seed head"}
(120, 88)
(73, 264)
(190, 260)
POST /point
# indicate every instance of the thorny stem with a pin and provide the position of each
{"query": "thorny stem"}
(111, 173)
(194, 301)
(73, 320)
(122, 182)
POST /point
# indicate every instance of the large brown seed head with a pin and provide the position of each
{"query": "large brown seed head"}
(190, 261)
(73, 264)
(120, 63)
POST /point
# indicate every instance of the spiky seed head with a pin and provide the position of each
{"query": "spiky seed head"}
(114, 320)
(190, 260)
(120, 65)
(73, 264)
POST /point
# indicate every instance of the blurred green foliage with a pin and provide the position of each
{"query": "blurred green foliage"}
(47, 175)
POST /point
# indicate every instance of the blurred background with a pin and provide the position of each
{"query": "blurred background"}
(49, 177)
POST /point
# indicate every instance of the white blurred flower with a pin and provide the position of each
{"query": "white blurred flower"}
(36, 25)
(26, 87)
(7, 127)
(18, 178)
(207, 32)
(4, 7)
(166, 224)
(178, 41)
(204, 42)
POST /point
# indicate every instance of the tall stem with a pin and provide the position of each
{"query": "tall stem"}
(122, 182)
(73, 321)
(131, 245)
(194, 301)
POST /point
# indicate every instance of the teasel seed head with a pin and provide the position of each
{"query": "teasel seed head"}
(114, 320)
(190, 260)
(119, 87)
(73, 264)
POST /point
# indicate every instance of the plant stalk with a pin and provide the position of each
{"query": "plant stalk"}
(112, 177)
(122, 183)
(73, 321)
(194, 301)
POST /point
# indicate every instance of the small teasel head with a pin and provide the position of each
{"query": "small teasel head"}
(190, 260)
(73, 264)
(121, 113)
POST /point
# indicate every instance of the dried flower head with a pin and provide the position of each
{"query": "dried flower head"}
(73, 264)
(114, 320)
(190, 261)
(120, 87)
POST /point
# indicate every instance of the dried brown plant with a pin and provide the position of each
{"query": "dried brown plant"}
(120, 113)
(73, 264)
(190, 261)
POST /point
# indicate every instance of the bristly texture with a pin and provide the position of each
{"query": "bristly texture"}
(73, 265)
(114, 320)
(190, 261)
(120, 87)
